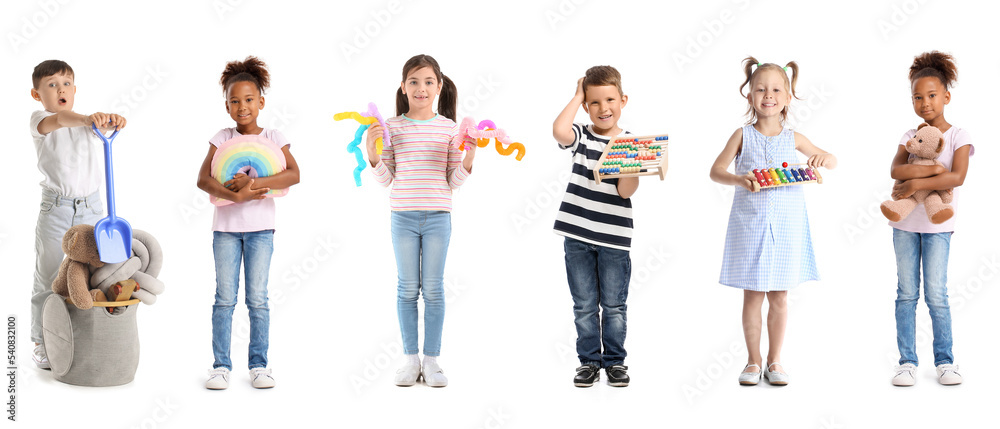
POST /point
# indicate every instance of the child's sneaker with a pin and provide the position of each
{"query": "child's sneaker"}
(407, 375)
(433, 375)
(39, 357)
(261, 378)
(948, 374)
(904, 375)
(218, 379)
(617, 375)
(586, 375)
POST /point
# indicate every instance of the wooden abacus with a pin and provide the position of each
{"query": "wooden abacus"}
(765, 178)
(632, 157)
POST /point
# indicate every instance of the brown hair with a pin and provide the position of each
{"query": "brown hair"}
(936, 64)
(252, 69)
(601, 76)
(49, 68)
(750, 73)
(447, 100)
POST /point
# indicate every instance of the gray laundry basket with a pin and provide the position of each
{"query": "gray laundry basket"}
(90, 347)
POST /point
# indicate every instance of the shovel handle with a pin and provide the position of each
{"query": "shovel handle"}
(109, 180)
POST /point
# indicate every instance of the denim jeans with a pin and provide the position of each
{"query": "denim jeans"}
(931, 250)
(420, 241)
(598, 277)
(254, 250)
(55, 216)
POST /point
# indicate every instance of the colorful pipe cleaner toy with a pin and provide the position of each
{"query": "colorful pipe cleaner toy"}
(485, 131)
(365, 119)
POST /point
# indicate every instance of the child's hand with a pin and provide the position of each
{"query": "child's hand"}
(247, 193)
(238, 182)
(374, 133)
(116, 121)
(746, 182)
(579, 88)
(903, 190)
(105, 121)
(820, 160)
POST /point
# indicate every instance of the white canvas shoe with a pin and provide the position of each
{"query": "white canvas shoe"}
(39, 357)
(904, 375)
(218, 379)
(948, 374)
(776, 378)
(261, 378)
(433, 375)
(407, 375)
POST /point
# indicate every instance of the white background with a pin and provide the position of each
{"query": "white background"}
(509, 338)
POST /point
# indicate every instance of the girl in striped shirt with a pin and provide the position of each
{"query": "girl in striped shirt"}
(423, 166)
(768, 246)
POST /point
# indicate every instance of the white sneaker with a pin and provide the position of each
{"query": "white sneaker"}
(218, 379)
(433, 375)
(904, 375)
(261, 378)
(948, 374)
(407, 375)
(39, 357)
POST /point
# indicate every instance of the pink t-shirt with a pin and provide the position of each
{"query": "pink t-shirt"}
(917, 221)
(250, 216)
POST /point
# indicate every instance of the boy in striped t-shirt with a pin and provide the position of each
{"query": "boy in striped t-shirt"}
(596, 220)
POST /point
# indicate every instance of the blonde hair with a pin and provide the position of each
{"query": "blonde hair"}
(751, 74)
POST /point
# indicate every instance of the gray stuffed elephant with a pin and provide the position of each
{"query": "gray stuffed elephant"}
(143, 267)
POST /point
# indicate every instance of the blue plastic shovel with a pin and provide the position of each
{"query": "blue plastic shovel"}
(113, 234)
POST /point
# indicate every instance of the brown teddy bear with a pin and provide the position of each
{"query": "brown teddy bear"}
(925, 147)
(73, 279)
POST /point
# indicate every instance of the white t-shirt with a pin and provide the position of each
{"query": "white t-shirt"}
(71, 159)
(249, 216)
(917, 221)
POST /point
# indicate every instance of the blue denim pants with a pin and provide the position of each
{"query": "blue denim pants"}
(420, 240)
(254, 250)
(930, 251)
(56, 215)
(598, 279)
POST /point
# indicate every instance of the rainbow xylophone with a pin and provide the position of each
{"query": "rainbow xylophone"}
(776, 177)
(633, 157)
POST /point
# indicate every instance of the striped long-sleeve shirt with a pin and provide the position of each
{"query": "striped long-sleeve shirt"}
(421, 162)
(592, 212)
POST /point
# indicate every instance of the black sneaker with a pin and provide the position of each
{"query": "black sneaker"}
(586, 375)
(617, 375)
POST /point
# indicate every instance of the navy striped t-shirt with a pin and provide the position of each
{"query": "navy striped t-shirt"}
(591, 212)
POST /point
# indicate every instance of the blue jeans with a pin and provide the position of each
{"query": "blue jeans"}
(598, 277)
(912, 248)
(254, 250)
(56, 215)
(420, 241)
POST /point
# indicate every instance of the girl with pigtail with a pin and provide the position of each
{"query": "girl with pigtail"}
(768, 247)
(423, 167)
(917, 241)
(244, 230)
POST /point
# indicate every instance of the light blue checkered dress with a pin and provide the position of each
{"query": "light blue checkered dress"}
(768, 246)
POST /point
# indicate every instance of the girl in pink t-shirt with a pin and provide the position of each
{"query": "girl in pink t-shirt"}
(243, 231)
(918, 242)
